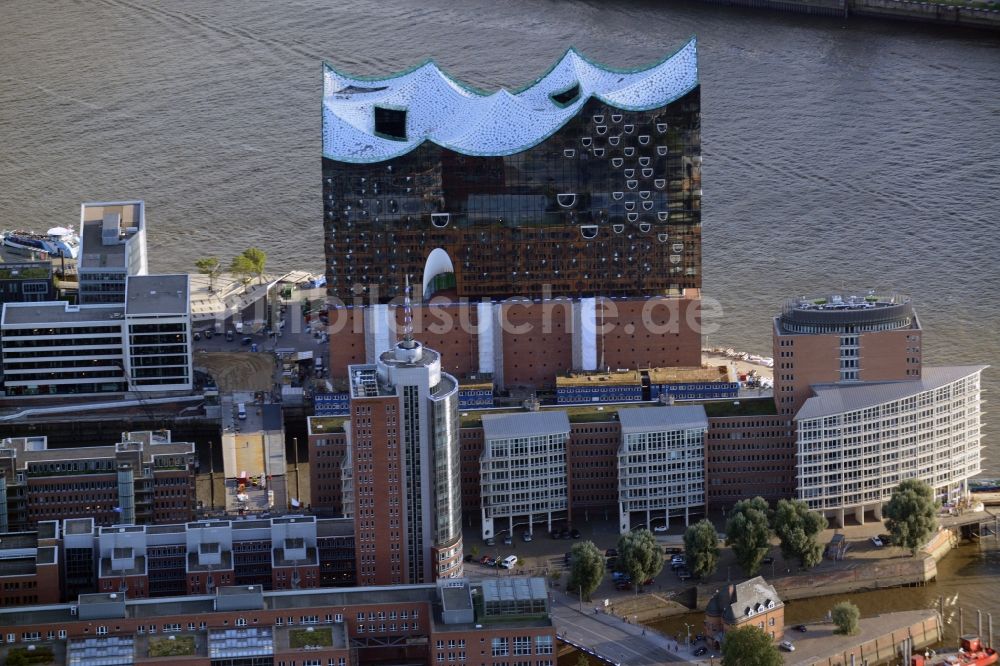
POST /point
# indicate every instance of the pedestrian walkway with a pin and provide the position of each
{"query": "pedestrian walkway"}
(611, 638)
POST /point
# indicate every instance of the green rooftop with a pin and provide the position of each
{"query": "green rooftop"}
(312, 636)
(171, 646)
(321, 425)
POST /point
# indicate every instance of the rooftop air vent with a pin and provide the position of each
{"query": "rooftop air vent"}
(390, 123)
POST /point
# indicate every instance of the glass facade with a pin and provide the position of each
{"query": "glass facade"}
(609, 204)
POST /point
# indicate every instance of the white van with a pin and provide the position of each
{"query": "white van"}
(509, 562)
(241, 411)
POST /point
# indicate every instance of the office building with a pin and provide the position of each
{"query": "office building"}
(415, 624)
(144, 478)
(403, 486)
(661, 466)
(523, 474)
(578, 197)
(112, 247)
(30, 567)
(842, 339)
(856, 443)
(142, 343)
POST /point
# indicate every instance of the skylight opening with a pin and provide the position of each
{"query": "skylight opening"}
(566, 97)
(390, 123)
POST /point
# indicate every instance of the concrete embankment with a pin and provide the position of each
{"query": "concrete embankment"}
(965, 16)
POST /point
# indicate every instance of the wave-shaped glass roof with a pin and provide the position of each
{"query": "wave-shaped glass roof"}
(450, 114)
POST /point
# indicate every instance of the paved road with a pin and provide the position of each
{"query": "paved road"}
(612, 638)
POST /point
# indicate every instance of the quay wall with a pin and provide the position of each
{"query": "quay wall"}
(907, 10)
(883, 647)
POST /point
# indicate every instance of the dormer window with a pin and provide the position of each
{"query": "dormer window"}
(566, 97)
(390, 123)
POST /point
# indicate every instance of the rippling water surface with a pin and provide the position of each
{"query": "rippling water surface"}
(836, 156)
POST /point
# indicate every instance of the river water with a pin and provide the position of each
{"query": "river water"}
(836, 156)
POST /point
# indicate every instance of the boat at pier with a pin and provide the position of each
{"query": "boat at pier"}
(56, 242)
(971, 653)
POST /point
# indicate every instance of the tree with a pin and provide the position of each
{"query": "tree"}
(587, 570)
(911, 514)
(798, 529)
(242, 267)
(846, 616)
(748, 532)
(581, 660)
(639, 555)
(208, 266)
(474, 551)
(257, 259)
(17, 658)
(749, 646)
(701, 546)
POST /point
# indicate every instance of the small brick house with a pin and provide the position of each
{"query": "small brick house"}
(753, 601)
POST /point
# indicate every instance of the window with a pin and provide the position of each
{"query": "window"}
(543, 645)
(567, 96)
(522, 645)
(101, 631)
(390, 123)
(500, 648)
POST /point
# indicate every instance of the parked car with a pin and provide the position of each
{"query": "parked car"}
(683, 574)
(619, 575)
(660, 528)
(487, 561)
(649, 581)
(768, 560)
(678, 559)
(196, 336)
(673, 550)
(564, 533)
(575, 534)
(490, 541)
(623, 585)
(700, 651)
(612, 562)
(787, 646)
(508, 539)
(886, 539)
(526, 536)
(699, 637)
(877, 542)
(568, 558)
(468, 557)
(246, 341)
(611, 552)
(801, 627)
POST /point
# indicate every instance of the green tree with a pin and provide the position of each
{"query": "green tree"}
(798, 528)
(639, 555)
(208, 266)
(587, 570)
(474, 551)
(847, 617)
(242, 267)
(258, 260)
(911, 514)
(701, 546)
(749, 646)
(748, 532)
(581, 660)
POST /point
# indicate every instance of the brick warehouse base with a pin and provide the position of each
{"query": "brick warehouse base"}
(524, 342)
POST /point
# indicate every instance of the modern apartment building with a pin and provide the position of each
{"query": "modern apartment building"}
(245, 625)
(523, 474)
(579, 197)
(661, 466)
(141, 344)
(144, 478)
(402, 482)
(112, 247)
